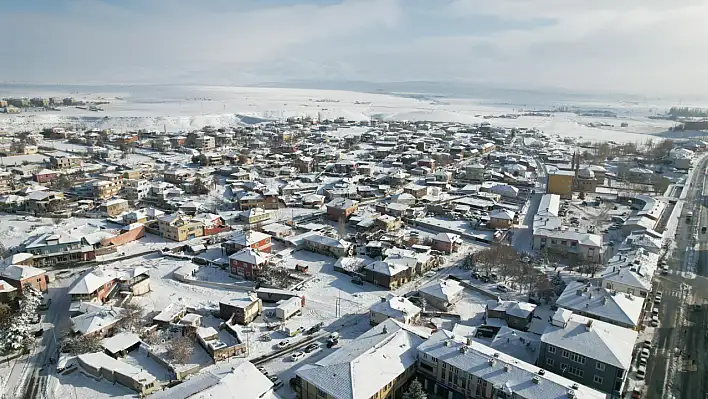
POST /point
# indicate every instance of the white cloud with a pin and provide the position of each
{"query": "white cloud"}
(634, 46)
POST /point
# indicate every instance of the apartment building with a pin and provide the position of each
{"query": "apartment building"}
(590, 352)
(136, 189)
(55, 248)
(115, 207)
(451, 366)
(378, 364)
(64, 162)
(105, 189)
(179, 227)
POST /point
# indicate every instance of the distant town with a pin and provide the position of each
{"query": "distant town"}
(319, 258)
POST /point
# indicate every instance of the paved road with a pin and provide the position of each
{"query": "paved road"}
(681, 339)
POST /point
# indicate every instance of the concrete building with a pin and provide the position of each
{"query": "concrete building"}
(560, 182)
(621, 309)
(19, 276)
(443, 294)
(590, 352)
(115, 207)
(241, 310)
(248, 263)
(179, 227)
(341, 208)
(397, 307)
(518, 315)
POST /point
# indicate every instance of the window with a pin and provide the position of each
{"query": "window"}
(600, 366)
(321, 393)
(565, 353)
(577, 358)
(597, 379)
(550, 362)
(564, 242)
(551, 349)
(576, 371)
(620, 373)
(444, 365)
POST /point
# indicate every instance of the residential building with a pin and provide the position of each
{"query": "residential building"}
(204, 143)
(136, 189)
(248, 263)
(210, 159)
(179, 227)
(630, 272)
(340, 208)
(327, 246)
(587, 246)
(115, 207)
(442, 294)
(96, 285)
(618, 308)
(254, 215)
(501, 219)
(100, 365)
(64, 161)
(518, 315)
(251, 200)
(446, 242)
(178, 176)
(8, 293)
(45, 176)
(241, 310)
(6, 182)
(378, 364)
(41, 202)
(51, 249)
(451, 366)
(590, 352)
(560, 182)
(105, 189)
(248, 239)
(19, 276)
(397, 307)
(389, 274)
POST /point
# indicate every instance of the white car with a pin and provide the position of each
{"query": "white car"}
(657, 297)
(429, 274)
(282, 344)
(297, 356)
(654, 321)
(641, 372)
(644, 353)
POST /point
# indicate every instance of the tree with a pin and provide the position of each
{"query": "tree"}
(63, 183)
(132, 316)
(83, 344)
(200, 187)
(180, 349)
(5, 315)
(18, 334)
(415, 391)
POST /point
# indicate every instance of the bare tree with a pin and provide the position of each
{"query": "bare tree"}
(132, 316)
(5, 315)
(83, 344)
(180, 348)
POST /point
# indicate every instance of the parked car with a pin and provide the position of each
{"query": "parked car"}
(277, 383)
(265, 337)
(430, 273)
(312, 347)
(315, 328)
(263, 370)
(657, 297)
(502, 288)
(283, 344)
(655, 321)
(644, 353)
(647, 343)
(655, 311)
(332, 342)
(297, 356)
(641, 372)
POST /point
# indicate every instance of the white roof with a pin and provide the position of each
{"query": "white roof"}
(447, 237)
(100, 360)
(250, 256)
(386, 268)
(444, 289)
(94, 321)
(397, 307)
(599, 302)
(6, 287)
(18, 272)
(92, 281)
(120, 342)
(169, 312)
(228, 381)
(474, 358)
(365, 365)
(601, 341)
(513, 308)
(502, 214)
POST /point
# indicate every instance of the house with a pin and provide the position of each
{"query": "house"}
(212, 223)
(171, 314)
(248, 239)
(179, 227)
(397, 307)
(105, 189)
(630, 272)
(51, 249)
(93, 319)
(248, 263)
(136, 189)
(327, 246)
(232, 380)
(254, 215)
(45, 176)
(450, 365)
(518, 315)
(587, 246)
(100, 365)
(590, 352)
(251, 200)
(446, 242)
(136, 281)
(277, 230)
(621, 309)
(501, 219)
(19, 276)
(241, 310)
(64, 162)
(378, 364)
(340, 208)
(120, 344)
(95, 285)
(115, 207)
(8, 293)
(388, 274)
(40, 202)
(443, 294)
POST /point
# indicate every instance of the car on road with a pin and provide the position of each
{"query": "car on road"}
(312, 347)
(277, 383)
(703, 229)
(332, 342)
(430, 274)
(502, 288)
(641, 372)
(263, 370)
(645, 353)
(315, 328)
(654, 321)
(297, 356)
(334, 335)
(655, 311)
(283, 344)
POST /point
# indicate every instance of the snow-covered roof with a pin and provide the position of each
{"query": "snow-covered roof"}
(242, 380)
(92, 281)
(366, 364)
(594, 339)
(602, 303)
(447, 237)
(100, 360)
(502, 214)
(513, 308)
(88, 323)
(248, 238)
(168, 314)
(18, 272)
(250, 256)
(396, 307)
(6, 287)
(120, 342)
(327, 241)
(386, 268)
(501, 370)
(447, 290)
(16, 258)
(521, 345)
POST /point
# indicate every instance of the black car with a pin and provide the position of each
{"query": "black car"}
(315, 328)
(332, 342)
(311, 348)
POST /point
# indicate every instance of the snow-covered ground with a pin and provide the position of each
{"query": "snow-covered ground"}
(186, 108)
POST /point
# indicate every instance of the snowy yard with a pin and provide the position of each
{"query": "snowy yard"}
(78, 385)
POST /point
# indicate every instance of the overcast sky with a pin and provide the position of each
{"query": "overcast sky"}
(651, 47)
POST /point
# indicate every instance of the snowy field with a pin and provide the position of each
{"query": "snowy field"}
(187, 108)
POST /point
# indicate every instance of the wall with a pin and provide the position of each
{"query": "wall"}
(126, 237)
